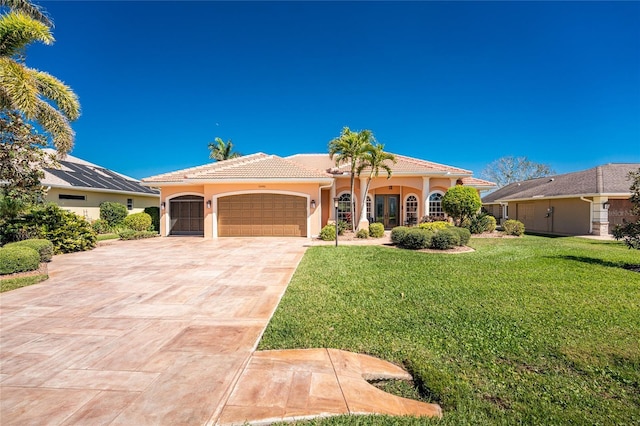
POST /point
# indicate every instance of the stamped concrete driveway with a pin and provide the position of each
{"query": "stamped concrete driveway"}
(140, 332)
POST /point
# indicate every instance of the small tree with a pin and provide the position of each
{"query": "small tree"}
(509, 169)
(630, 231)
(461, 202)
(373, 159)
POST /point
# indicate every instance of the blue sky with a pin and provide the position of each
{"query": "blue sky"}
(460, 83)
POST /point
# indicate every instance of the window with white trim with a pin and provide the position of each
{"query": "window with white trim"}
(411, 210)
(435, 204)
(369, 216)
(344, 209)
(129, 203)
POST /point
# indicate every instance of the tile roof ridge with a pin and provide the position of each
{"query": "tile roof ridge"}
(232, 163)
(420, 161)
(303, 167)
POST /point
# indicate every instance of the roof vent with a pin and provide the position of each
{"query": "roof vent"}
(552, 179)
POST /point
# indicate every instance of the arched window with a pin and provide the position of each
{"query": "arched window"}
(411, 210)
(344, 210)
(369, 216)
(435, 204)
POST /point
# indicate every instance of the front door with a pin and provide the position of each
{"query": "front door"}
(388, 210)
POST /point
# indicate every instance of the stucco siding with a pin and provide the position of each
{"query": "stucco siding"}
(569, 216)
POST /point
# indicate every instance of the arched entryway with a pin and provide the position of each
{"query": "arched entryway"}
(187, 215)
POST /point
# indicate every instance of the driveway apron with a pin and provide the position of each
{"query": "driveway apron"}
(139, 332)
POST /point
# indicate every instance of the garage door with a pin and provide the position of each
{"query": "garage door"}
(187, 215)
(262, 215)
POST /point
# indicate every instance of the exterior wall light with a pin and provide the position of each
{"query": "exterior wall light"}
(208, 204)
(606, 205)
(163, 205)
(313, 204)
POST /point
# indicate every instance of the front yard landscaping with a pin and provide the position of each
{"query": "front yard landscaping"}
(528, 330)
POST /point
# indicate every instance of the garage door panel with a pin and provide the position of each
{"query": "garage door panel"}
(262, 215)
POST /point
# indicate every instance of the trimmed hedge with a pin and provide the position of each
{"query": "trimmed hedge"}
(398, 233)
(376, 230)
(138, 222)
(101, 226)
(416, 239)
(362, 233)
(154, 212)
(18, 259)
(463, 234)
(132, 234)
(445, 239)
(513, 227)
(42, 246)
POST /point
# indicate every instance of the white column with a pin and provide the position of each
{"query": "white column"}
(425, 196)
(600, 216)
(364, 221)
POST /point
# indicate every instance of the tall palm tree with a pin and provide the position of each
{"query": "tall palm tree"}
(28, 8)
(31, 92)
(373, 159)
(219, 150)
(348, 149)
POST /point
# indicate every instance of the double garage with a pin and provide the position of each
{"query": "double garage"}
(244, 215)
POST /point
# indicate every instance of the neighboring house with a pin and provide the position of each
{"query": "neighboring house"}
(591, 201)
(267, 195)
(80, 186)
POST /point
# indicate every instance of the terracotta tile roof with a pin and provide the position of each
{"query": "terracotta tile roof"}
(250, 167)
(475, 182)
(403, 165)
(605, 179)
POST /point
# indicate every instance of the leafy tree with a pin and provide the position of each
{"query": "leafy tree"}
(461, 202)
(219, 150)
(31, 92)
(630, 231)
(506, 170)
(348, 148)
(21, 165)
(373, 159)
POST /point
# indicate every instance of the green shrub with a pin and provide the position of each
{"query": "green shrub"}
(154, 212)
(435, 226)
(397, 234)
(328, 233)
(479, 223)
(138, 222)
(362, 233)
(445, 239)
(67, 231)
(463, 234)
(513, 227)
(42, 246)
(113, 213)
(376, 230)
(132, 234)
(461, 202)
(18, 259)
(101, 226)
(416, 239)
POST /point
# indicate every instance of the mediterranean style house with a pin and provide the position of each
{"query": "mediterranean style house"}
(268, 195)
(80, 187)
(590, 201)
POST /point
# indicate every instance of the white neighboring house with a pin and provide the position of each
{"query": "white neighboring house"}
(80, 187)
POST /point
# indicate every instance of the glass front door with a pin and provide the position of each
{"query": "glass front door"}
(388, 210)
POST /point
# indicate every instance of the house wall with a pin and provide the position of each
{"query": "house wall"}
(211, 192)
(620, 210)
(90, 207)
(570, 216)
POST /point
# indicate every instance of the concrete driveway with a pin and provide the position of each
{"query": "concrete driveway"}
(139, 332)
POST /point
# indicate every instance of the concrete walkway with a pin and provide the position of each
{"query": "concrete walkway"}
(163, 332)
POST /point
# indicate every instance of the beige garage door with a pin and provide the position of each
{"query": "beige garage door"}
(262, 215)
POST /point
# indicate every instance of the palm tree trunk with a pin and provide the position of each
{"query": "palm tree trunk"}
(363, 209)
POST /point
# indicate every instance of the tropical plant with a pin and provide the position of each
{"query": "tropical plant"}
(348, 148)
(513, 227)
(372, 160)
(461, 202)
(630, 231)
(33, 93)
(219, 150)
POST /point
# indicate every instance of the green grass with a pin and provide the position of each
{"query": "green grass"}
(13, 283)
(531, 330)
(104, 237)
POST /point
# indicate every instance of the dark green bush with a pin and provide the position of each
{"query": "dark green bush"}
(113, 213)
(416, 239)
(463, 234)
(101, 226)
(138, 222)
(42, 246)
(445, 239)
(513, 227)
(154, 212)
(362, 233)
(479, 223)
(376, 230)
(18, 259)
(67, 231)
(131, 234)
(397, 234)
(328, 233)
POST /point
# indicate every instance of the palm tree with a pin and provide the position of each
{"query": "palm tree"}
(219, 150)
(348, 149)
(27, 90)
(373, 159)
(28, 8)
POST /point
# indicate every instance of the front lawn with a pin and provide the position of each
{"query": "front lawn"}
(531, 330)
